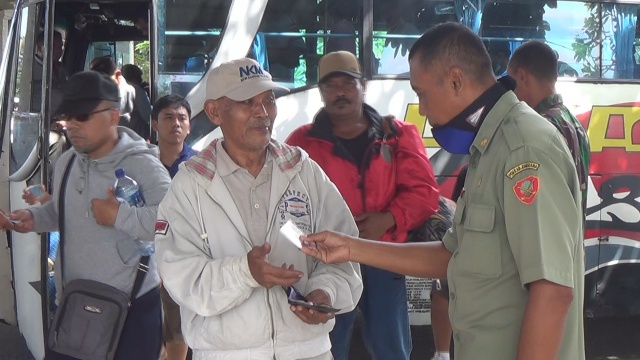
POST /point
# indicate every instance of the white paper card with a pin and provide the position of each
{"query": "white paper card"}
(292, 233)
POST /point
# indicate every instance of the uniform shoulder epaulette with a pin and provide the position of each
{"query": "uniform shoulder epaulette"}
(512, 132)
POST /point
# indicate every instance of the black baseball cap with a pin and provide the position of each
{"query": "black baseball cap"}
(84, 91)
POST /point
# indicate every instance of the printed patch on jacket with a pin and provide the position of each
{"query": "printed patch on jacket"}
(295, 203)
(522, 167)
(162, 227)
(527, 189)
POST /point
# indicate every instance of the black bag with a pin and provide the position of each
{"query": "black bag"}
(91, 315)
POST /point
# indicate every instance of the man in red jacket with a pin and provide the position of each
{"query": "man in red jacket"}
(381, 169)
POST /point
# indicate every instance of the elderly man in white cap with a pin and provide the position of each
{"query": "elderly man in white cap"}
(220, 252)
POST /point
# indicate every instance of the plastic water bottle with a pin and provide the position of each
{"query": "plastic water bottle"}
(127, 190)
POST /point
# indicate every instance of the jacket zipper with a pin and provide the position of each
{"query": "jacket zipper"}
(362, 172)
(273, 325)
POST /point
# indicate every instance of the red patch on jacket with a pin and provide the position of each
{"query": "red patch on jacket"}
(162, 227)
(526, 189)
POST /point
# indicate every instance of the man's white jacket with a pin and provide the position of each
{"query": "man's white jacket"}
(202, 245)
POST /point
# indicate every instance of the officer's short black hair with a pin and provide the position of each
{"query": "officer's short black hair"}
(453, 44)
(169, 101)
(537, 58)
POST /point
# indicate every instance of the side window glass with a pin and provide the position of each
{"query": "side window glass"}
(121, 51)
(591, 40)
(188, 37)
(26, 99)
(294, 35)
(570, 29)
(620, 40)
(397, 25)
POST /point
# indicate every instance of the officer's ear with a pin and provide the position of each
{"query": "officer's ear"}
(456, 79)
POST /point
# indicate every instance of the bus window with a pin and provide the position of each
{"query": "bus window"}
(592, 40)
(397, 25)
(619, 34)
(27, 95)
(294, 35)
(121, 51)
(188, 36)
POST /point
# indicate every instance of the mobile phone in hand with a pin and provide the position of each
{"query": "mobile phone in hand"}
(294, 297)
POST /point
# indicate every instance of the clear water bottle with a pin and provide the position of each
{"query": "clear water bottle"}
(127, 190)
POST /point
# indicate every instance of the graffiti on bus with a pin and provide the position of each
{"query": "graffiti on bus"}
(614, 136)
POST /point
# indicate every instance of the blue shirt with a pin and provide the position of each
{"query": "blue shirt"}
(185, 154)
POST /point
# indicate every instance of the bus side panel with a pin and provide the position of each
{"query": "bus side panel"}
(26, 263)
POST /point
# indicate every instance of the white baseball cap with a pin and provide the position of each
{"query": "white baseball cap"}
(239, 80)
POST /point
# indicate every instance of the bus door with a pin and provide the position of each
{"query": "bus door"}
(23, 113)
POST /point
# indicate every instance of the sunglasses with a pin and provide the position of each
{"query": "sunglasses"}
(86, 117)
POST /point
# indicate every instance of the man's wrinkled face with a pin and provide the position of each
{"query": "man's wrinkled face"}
(247, 124)
(342, 95)
(172, 125)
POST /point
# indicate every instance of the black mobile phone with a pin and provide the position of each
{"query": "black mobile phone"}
(295, 297)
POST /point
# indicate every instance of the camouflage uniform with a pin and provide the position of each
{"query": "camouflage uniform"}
(554, 110)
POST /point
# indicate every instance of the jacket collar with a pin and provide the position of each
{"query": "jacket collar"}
(548, 103)
(492, 122)
(205, 163)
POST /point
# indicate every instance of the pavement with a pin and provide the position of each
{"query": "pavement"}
(12, 345)
(605, 339)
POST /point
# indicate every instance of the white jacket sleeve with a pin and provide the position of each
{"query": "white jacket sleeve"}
(342, 282)
(192, 277)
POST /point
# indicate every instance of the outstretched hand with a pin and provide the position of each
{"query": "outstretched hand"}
(268, 275)
(327, 246)
(19, 220)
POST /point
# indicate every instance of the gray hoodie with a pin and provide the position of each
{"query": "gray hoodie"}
(106, 253)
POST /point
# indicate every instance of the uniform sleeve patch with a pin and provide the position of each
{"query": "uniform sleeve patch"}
(162, 227)
(525, 189)
(522, 167)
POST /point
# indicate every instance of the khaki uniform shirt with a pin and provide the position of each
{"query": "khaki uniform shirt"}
(517, 221)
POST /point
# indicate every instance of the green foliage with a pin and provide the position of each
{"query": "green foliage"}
(586, 47)
(141, 57)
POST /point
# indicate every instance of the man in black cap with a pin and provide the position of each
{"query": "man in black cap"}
(99, 230)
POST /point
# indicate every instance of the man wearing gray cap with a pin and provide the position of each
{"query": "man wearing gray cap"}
(220, 251)
(99, 231)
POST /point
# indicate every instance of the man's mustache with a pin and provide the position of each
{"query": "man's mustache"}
(341, 101)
